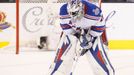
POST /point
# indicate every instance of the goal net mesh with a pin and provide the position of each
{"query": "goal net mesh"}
(39, 18)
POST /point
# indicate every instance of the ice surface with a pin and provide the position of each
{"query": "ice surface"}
(36, 62)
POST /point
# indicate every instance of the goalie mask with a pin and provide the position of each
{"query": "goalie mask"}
(75, 9)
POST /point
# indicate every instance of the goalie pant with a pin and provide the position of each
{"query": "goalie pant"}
(67, 51)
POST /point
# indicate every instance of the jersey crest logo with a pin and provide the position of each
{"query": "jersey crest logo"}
(96, 11)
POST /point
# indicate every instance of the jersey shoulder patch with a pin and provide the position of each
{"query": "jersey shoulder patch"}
(92, 9)
(96, 11)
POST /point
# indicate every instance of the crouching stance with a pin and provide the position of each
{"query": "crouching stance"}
(82, 25)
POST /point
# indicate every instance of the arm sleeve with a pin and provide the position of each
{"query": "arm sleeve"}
(65, 22)
(99, 24)
(94, 17)
(97, 29)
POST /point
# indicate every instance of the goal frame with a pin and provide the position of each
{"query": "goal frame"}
(17, 23)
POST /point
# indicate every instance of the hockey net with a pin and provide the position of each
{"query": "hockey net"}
(44, 26)
(39, 24)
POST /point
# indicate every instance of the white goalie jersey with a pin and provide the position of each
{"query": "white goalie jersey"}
(92, 19)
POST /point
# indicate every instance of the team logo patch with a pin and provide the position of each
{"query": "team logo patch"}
(96, 11)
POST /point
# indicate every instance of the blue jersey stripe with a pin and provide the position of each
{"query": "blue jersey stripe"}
(98, 28)
(65, 26)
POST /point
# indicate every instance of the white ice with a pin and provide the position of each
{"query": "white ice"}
(37, 62)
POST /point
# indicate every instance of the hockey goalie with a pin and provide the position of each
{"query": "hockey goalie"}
(82, 25)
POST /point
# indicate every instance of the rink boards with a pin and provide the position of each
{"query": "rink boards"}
(35, 21)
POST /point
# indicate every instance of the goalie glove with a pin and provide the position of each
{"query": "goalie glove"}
(85, 43)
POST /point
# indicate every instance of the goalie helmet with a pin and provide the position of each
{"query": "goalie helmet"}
(75, 9)
(2, 17)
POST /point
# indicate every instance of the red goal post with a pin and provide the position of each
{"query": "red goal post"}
(17, 26)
